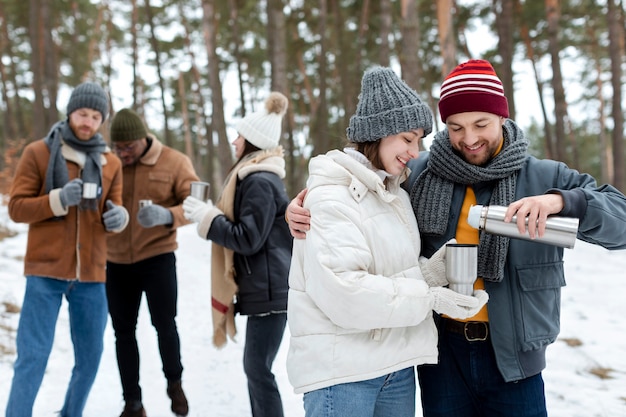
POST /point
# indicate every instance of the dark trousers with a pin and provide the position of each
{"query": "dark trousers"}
(467, 383)
(125, 285)
(263, 337)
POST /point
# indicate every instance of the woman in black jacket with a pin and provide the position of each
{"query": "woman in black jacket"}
(251, 250)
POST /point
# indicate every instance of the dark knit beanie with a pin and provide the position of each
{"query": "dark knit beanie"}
(89, 95)
(127, 126)
(387, 106)
(472, 86)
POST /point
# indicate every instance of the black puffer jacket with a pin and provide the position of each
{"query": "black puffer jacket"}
(260, 238)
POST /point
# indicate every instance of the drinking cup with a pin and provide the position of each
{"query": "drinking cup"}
(461, 267)
(200, 190)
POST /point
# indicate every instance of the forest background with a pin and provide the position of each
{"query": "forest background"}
(176, 56)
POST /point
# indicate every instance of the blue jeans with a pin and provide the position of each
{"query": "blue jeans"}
(125, 285)
(467, 383)
(263, 337)
(35, 335)
(389, 395)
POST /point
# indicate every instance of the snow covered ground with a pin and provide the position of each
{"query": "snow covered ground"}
(585, 377)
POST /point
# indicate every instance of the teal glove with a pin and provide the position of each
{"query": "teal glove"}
(154, 215)
(71, 193)
(114, 217)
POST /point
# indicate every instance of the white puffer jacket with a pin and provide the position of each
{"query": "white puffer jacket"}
(358, 305)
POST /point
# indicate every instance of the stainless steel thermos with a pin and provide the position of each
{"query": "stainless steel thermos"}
(560, 231)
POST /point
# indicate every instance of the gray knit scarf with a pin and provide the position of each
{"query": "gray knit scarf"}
(56, 173)
(431, 194)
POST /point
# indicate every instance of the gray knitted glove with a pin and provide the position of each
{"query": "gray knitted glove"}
(458, 306)
(114, 217)
(71, 193)
(434, 268)
(154, 215)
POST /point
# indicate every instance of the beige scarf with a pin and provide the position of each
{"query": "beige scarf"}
(223, 286)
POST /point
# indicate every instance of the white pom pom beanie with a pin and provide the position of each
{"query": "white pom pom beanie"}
(263, 128)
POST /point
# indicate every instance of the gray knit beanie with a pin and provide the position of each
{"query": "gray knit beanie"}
(91, 96)
(387, 106)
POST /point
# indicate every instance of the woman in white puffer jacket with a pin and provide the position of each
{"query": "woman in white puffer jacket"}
(360, 308)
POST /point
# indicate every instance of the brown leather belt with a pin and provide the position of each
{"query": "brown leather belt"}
(474, 331)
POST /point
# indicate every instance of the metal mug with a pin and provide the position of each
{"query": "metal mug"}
(461, 267)
(200, 190)
(90, 190)
(144, 203)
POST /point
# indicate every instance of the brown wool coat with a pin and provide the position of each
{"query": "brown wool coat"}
(163, 175)
(65, 244)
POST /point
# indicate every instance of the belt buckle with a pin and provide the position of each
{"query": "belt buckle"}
(470, 338)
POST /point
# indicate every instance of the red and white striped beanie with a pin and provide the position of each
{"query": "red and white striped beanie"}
(472, 86)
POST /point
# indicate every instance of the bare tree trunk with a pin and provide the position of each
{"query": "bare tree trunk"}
(447, 41)
(36, 33)
(410, 64)
(17, 113)
(385, 30)
(9, 125)
(133, 35)
(363, 25)
(530, 54)
(606, 154)
(50, 63)
(185, 116)
(92, 50)
(236, 39)
(277, 42)
(209, 24)
(319, 121)
(202, 162)
(346, 87)
(616, 51)
(504, 23)
(560, 106)
(157, 51)
(412, 72)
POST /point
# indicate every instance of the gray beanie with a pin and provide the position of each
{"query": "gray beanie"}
(91, 96)
(387, 106)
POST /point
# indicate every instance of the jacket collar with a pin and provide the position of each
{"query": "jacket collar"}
(154, 152)
(72, 155)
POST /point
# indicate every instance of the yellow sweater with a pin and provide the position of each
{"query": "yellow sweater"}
(466, 234)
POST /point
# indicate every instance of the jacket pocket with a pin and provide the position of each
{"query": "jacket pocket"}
(160, 186)
(540, 301)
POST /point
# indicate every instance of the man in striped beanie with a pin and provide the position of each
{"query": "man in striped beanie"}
(481, 158)
(490, 364)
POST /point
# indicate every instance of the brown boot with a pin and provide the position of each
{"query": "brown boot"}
(133, 409)
(179, 401)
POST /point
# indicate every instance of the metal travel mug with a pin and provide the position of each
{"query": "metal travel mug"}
(560, 231)
(461, 267)
(200, 190)
(90, 190)
(90, 193)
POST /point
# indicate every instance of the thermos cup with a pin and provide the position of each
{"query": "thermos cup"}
(200, 190)
(461, 267)
(560, 231)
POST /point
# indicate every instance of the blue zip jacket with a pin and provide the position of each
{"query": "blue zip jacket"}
(524, 309)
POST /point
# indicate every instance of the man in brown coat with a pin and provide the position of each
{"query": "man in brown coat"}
(68, 188)
(141, 259)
